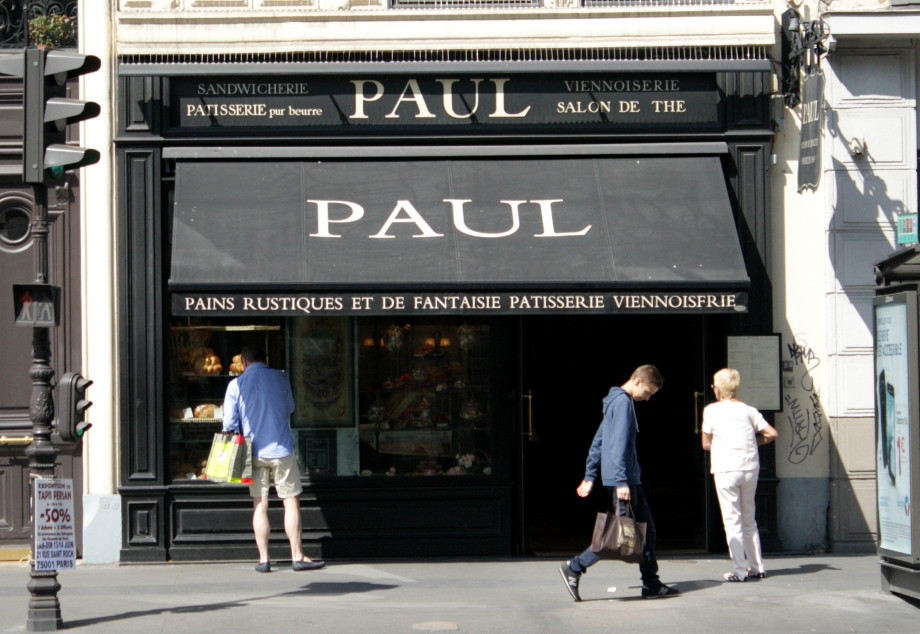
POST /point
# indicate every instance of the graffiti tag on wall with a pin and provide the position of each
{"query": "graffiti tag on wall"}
(803, 407)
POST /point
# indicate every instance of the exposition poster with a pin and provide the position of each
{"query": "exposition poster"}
(54, 524)
(892, 427)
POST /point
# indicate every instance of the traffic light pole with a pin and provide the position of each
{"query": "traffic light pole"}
(44, 607)
(46, 156)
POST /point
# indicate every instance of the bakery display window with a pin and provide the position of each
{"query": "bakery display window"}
(425, 397)
(373, 397)
(203, 359)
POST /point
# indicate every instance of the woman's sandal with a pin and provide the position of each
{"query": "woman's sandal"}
(730, 576)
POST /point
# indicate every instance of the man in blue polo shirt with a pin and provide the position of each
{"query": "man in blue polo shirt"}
(258, 404)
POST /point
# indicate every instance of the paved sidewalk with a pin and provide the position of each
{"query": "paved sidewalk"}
(824, 593)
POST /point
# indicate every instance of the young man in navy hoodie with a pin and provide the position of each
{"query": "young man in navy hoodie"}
(614, 451)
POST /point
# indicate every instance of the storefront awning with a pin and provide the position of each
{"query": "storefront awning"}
(551, 226)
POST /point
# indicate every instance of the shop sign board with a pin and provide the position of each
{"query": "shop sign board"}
(812, 127)
(456, 303)
(55, 545)
(460, 103)
(895, 426)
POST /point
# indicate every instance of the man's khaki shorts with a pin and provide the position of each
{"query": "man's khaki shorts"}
(284, 472)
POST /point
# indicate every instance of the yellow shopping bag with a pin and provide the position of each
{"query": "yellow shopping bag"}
(230, 459)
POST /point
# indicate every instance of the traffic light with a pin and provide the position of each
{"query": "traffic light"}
(72, 405)
(12, 65)
(47, 112)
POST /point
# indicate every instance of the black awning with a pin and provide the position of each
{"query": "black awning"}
(545, 224)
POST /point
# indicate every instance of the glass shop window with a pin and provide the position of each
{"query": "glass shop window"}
(374, 397)
(424, 394)
(203, 357)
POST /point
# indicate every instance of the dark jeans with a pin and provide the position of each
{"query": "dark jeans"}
(649, 566)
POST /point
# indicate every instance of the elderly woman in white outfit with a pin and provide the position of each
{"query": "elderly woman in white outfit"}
(732, 431)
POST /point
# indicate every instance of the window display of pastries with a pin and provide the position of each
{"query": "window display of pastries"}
(208, 363)
(236, 366)
(208, 410)
(200, 360)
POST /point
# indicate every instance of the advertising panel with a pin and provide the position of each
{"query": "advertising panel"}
(54, 526)
(895, 318)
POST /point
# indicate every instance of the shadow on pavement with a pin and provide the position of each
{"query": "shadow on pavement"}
(685, 587)
(347, 587)
(801, 570)
(325, 588)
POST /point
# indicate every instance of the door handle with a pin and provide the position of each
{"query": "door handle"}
(696, 412)
(529, 398)
(15, 440)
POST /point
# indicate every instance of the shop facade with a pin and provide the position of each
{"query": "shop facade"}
(453, 261)
(852, 218)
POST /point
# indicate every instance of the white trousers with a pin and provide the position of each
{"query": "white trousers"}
(736, 491)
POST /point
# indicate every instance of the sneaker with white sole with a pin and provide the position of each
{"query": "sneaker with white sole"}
(571, 579)
(661, 592)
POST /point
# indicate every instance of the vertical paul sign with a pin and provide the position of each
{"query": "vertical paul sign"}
(812, 126)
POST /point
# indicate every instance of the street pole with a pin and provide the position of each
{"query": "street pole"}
(46, 157)
(44, 607)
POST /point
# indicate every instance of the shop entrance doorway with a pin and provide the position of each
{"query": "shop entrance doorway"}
(569, 364)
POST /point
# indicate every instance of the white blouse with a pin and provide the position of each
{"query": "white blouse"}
(734, 426)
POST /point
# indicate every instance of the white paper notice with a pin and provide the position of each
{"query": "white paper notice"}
(54, 531)
(757, 359)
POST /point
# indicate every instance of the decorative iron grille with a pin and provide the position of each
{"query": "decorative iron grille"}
(694, 53)
(464, 4)
(661, 3)
(525, 4)
(12, 24)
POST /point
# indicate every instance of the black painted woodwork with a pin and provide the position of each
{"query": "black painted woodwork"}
(357, 517)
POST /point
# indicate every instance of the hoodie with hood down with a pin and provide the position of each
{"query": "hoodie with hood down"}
(614, 445)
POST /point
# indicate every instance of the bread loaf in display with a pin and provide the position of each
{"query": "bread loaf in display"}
(208, 363)
(200, 360)
(206, 410)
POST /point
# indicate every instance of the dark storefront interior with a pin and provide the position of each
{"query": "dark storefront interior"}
(450, 397)
(423, 397)
(571, 363)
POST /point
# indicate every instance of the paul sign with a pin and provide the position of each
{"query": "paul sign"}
(812, 127)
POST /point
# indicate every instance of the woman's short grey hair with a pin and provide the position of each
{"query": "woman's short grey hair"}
(728, 380)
